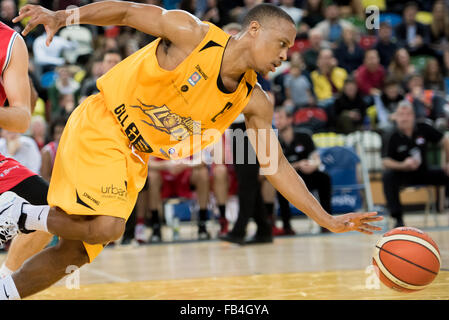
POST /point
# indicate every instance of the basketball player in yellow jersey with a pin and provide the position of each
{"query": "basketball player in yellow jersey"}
(155, 102)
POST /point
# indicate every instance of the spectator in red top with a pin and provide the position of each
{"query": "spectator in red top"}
(371, 74)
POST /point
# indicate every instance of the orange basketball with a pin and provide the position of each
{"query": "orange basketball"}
(406, 259)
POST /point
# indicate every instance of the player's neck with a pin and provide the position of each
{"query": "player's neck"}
(234, 60)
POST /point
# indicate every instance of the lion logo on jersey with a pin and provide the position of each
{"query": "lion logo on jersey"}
(163, 119)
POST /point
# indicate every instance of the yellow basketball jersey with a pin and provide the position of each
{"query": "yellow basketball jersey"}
(173, 114)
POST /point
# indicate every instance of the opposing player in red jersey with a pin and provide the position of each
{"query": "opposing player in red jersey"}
(16, 88)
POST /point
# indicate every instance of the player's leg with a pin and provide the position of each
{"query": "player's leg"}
(140, 210)
(92, 229)
(268, 196)
(45, 269)
(221, 187)
(155, 203)
(34, 189)
(200, 179)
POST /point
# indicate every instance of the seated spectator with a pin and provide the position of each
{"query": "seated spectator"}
(175, 179)
(110, 59)
(294, 12)
(89, 84)
(332, 27)
(316, 44)
(387, 103)
(313, 14)
(65, 85)
(215, 13)
(48, 152)
(8, 11)
(386, 44)
(349, 53)
(400, 67)
(349, 108)
(411, 34)
(328, 79)
(370, 75)
(38, 128)
(300, 151)
(48, 58)
(427, 104)
(297, 86)
(433, 77)
(21, 148)
(404, 158)
(439, 28)
(351, 8)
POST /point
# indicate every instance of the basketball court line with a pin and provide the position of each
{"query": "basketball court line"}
(106, 275)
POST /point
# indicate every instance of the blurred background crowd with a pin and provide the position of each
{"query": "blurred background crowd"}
(348, 70)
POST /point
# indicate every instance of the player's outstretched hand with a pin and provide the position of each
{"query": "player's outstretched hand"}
(39, 15)
(356, 222)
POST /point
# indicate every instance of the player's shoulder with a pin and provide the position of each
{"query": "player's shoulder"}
(259, 102)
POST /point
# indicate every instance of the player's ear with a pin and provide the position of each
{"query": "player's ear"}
(254, 28)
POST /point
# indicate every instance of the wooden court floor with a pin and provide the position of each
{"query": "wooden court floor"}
(315, 267)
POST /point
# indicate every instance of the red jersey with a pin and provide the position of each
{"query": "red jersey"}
(11, 171)
(7, 37)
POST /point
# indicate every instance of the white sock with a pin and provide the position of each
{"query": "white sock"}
(36, 217)
(5, 271)
(8, 290)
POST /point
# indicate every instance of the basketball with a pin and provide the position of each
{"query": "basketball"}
(406, 259)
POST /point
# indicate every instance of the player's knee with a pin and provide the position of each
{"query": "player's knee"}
(202, 174)
(105, 229)
(154, 178)
(72, 252)
(220, 172)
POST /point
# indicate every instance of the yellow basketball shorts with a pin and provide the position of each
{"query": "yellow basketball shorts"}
(96, 172)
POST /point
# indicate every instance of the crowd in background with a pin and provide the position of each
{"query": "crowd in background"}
(342, 74)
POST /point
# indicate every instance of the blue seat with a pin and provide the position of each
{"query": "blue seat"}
(48, 79)
(392, 18)
(341, 164)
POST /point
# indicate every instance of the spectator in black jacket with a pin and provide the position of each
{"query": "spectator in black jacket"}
(386, 46)
(411, 34)
(349, 53)
(349, 108)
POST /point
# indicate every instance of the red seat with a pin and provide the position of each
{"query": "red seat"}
(367, 41)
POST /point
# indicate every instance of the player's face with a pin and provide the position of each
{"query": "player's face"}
(271, 44)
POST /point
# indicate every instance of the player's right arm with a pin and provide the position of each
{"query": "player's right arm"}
(179, 27)
(16, 117)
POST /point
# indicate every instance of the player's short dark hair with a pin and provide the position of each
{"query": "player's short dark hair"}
(265, 11)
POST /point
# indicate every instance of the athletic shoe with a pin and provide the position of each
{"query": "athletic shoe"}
(156, 236)
(260, 240)
(277, 231)
(233, 239)
(202, 232)
(139, 233)
(12, 220)
(289, 232)
(223, 226)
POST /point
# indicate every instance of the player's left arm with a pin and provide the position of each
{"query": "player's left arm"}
(258, 116)
(17, 116)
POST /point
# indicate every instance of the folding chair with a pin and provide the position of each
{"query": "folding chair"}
(342, 163)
